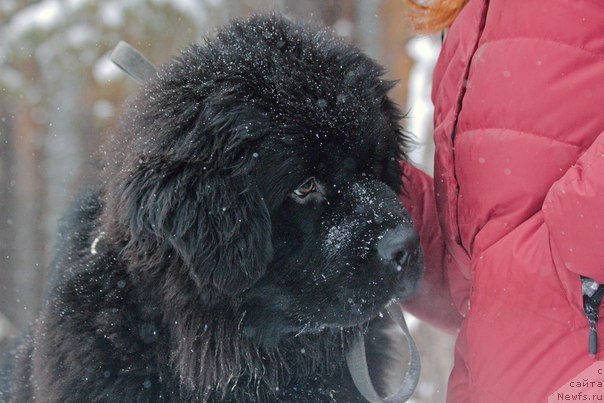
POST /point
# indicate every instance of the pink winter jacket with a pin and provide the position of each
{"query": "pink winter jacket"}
(515, 212)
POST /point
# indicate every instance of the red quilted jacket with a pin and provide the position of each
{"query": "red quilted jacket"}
(515, 212)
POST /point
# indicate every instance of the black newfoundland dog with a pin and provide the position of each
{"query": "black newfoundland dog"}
(247, 227)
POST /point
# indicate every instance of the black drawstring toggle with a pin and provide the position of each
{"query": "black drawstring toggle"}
(592, 296)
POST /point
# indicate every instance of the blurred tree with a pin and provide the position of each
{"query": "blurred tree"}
(59, 93)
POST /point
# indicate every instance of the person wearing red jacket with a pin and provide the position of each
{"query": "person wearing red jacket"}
(513, 219)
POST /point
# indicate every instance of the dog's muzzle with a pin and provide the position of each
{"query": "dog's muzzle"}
(398, 244)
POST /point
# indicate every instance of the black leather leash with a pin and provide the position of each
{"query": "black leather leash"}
(357, 364)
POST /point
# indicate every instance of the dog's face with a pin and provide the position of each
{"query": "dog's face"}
(343, 246)
(260, 171)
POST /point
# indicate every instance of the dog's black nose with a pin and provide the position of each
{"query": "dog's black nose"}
(397, 241)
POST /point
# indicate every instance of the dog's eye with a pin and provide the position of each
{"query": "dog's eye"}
(306, 188)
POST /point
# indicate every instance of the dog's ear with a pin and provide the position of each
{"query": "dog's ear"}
(185, 202)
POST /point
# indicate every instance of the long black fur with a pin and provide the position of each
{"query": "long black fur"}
(193, 272)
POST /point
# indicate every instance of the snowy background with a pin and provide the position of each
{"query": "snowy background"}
(59, 97)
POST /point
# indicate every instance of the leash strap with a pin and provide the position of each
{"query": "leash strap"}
(357, 364)
(132, 62)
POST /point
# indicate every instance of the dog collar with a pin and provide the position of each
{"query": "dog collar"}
(95, 243)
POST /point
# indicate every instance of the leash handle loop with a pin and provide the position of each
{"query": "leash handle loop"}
(357, 364)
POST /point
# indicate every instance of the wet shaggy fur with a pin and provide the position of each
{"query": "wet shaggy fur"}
(195, 271)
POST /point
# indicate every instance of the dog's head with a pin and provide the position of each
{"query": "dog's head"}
(261, 168)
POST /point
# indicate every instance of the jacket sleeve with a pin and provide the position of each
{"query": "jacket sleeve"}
(433, 302)
(573, 210)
